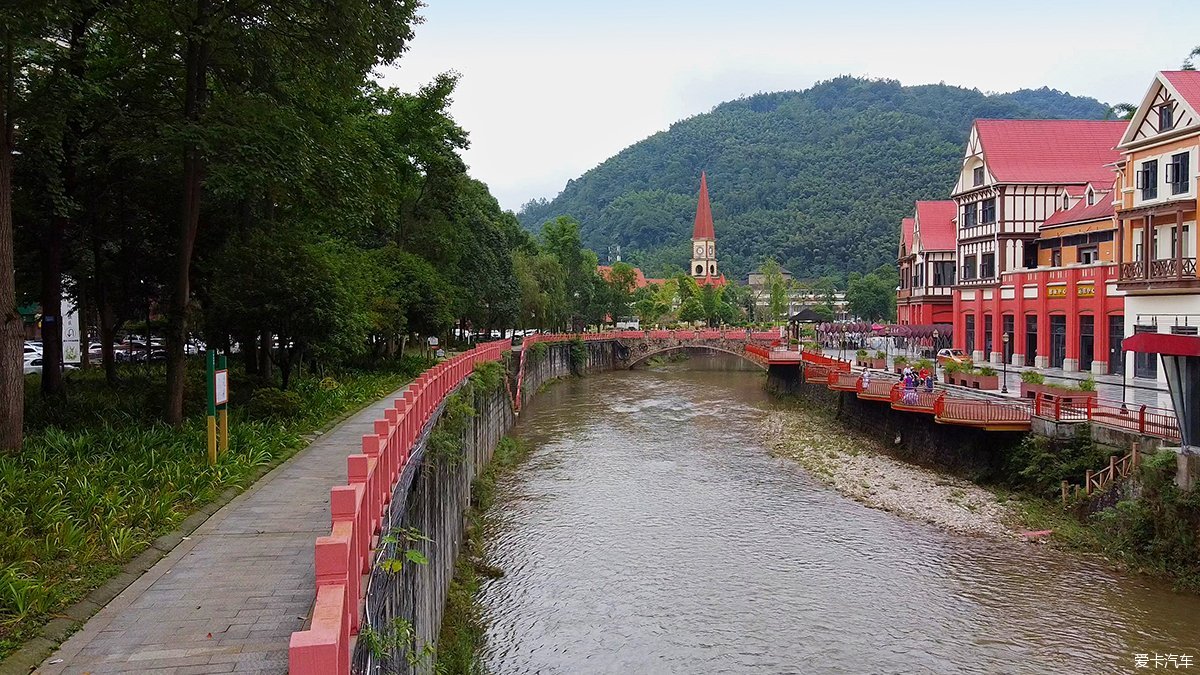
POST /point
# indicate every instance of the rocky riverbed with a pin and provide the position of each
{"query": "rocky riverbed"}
(856, 466)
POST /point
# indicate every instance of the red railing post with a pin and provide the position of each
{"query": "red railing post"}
(1142, 420)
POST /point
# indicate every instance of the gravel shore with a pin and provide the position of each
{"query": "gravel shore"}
(857, 467)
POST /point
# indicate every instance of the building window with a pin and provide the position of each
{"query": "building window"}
(970, 216)
(977, 176)
(989, 211)
(987, 266)
(1177, 173)
(1089, 255)
(1091, 197)
(943, 273)
(1056, 257)
(968, 271)
(970, 333)
(1166, 117)
(699, 270)
(1147, 179)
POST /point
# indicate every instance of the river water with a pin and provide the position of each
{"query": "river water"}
(651, 532)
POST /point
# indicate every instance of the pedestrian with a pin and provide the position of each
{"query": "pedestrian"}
(866, 378)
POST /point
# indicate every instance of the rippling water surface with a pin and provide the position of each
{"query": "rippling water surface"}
(651, 532)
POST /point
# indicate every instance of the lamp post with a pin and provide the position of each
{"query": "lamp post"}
(935, 354)
(1004, 389)
(1124, 375)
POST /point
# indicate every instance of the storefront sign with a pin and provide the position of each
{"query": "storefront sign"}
(1087, 291)
(1056, 292)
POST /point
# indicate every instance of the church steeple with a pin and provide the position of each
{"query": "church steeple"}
(704, 240)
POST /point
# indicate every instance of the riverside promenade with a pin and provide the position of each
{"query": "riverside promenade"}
(229, 596)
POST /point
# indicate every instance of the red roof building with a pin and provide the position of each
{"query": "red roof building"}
(704, 241)
(1033, 264)
(926, 265)
(1157, 195)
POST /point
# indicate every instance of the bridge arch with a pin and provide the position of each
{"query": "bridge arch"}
(642, 357)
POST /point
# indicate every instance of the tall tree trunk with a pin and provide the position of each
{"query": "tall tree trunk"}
(52, 332)
(54, 241)
(249, 347)
(264, 355)
(12, 381)
(195, 97)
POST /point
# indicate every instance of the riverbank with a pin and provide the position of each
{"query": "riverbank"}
(856, 466)
(463, 624)
(1152, 535)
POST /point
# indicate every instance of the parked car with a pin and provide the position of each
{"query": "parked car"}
(34, 365)
(32, 348)
(945, 356)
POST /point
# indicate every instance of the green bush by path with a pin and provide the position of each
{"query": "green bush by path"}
(98, 479)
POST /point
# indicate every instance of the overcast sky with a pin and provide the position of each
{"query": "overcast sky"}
(551, 88)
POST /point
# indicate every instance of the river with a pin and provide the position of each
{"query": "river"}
(650, 531)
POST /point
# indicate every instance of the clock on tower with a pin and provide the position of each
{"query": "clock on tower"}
(704, 240)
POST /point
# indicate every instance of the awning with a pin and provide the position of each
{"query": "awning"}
(1162, 343)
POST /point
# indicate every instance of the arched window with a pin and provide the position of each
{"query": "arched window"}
(699, 270)
(712, 270)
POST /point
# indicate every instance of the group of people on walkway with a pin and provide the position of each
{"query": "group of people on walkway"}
(912, 381)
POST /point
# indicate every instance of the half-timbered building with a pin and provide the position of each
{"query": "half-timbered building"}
(1156, 213)
(1015, 174)
(927, 265)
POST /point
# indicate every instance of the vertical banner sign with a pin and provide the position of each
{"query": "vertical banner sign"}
(221, 399)
(210, 386)
(71, 339)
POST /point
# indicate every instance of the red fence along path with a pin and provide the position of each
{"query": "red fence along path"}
(357, 510)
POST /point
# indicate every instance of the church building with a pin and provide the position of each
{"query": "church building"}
(704, 242)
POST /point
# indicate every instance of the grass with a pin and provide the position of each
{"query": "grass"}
(463, 625)
(99, 478)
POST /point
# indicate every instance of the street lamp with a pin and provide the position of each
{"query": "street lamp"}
(935, 354)
(1004, 389)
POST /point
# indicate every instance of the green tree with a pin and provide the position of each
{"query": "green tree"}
(871, 297)
(621, 283)
(776, 288)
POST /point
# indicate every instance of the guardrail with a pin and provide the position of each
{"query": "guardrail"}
(981, 412)
(357, 510)
(914, 400)
(1142, 419)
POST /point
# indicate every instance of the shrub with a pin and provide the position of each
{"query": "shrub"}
(924, 363)
(953, 367)
(881, 355)
(987, 371)
(1039, 464)
(900, 360)
(862, 353)
(270, 403)
(1032, 377)
(1088, 385)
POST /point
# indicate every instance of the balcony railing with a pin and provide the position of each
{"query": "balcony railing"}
(1167, 268)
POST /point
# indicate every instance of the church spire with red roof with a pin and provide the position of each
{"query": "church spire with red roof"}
(704, 222)
(704, 241)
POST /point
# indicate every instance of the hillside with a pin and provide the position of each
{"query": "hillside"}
(818, 178)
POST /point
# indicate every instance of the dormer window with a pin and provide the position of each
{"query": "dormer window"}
(1091, 197)
(1166, 117)
(977, 176)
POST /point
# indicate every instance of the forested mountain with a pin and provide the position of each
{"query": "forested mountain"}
(818, 179)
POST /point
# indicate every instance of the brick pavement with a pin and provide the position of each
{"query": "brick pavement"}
(228, 597)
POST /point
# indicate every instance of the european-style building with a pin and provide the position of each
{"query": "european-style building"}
(1156, 213)
(927, 265)
(1015, 175)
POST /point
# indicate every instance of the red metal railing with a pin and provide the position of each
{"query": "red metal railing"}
(913, 400)
(1142, 419)
(844, 380)
(357, 512)
(981, 412)
(878, 388)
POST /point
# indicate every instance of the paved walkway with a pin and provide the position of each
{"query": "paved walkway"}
(1136, 391)
(228, 598)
